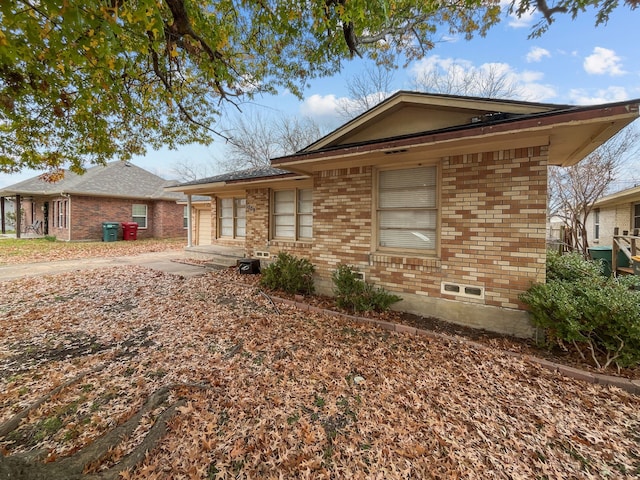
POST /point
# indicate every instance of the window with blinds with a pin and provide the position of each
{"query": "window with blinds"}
(292, 214)
(408, 208)
(139, 215)
(232, 217)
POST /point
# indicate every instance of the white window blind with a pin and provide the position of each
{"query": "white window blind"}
(293, 214)
(407, 208)
(240, 205)
(226, 217)
(139, 215)
(305, 214)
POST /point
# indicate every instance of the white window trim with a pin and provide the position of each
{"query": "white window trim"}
(146, 216)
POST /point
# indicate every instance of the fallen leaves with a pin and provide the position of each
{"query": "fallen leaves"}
(13, 251)
(289, 394)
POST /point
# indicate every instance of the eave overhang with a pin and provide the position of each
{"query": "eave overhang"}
(230, 186)
(571, 134)
(631, 195)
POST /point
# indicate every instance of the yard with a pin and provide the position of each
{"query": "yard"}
(248, 389)
(14, 251)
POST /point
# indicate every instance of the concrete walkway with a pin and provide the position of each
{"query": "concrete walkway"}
(162, 261)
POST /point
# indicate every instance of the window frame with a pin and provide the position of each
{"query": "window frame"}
(635, 216)
(185, 217)
(596, 224)
(437, 209)
(145, 216)
(237, 204)
(296, 213)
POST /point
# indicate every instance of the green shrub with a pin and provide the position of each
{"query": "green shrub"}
(50, 238)
(289, 274)
(354, 294)
(599, 317)
(571, 267)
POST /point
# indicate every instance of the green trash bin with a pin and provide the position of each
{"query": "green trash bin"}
(605, 253)
(110, 231)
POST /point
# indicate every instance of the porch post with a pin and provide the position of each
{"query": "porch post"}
(18, 216)
(4, 227)
(189, 223)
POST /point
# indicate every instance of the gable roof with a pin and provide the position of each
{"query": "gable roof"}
(428, 126)
(419, 112)
(463, 125)
(115, 179)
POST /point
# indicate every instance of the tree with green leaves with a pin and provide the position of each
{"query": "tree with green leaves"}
(84, 82)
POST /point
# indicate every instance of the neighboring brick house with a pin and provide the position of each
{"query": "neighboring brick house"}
(74, 208)
(439, 198)
(620, 209)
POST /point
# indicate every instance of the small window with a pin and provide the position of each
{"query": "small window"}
(292, 214)
(636, 215)
(139, 215)
(185, 217)
(596, 224)
(232, 217)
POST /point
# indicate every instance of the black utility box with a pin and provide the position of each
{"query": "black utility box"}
(249, 265)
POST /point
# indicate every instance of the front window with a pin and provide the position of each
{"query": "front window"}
(596, 223)
(185, 217)
(60, 209)
(292, 214)
(233, 217)
(407, 210)
(139, 215)
(636, 216)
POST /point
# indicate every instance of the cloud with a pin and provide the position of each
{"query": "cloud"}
(536, 54)
(606, 95)
(603, 61)
(525, 20)
(320, 105)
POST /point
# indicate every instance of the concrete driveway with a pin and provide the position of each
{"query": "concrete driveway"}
(162, 261)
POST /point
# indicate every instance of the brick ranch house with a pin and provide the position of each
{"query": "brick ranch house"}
(74, 208)
(439, 198)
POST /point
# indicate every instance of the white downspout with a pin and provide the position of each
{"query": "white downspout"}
(189, 233)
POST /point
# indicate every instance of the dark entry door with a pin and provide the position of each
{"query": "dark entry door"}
(45, 227)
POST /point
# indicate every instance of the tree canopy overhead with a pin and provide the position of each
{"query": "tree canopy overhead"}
(84, 82)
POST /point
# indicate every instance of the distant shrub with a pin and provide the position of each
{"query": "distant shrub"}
(354, 294)
(50, 238)
(599, 317)
(289, 274)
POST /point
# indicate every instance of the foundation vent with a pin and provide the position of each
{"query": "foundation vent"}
(263, 254)
(469, 291)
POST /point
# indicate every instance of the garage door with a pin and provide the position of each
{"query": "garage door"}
(204, 227)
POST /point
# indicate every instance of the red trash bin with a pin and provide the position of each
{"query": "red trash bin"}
(129, 231)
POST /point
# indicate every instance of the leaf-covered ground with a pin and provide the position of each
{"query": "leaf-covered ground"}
(274, 392)
(14, 251)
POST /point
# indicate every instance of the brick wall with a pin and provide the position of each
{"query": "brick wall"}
(492, 228)
(342, 215)
(164, 219)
